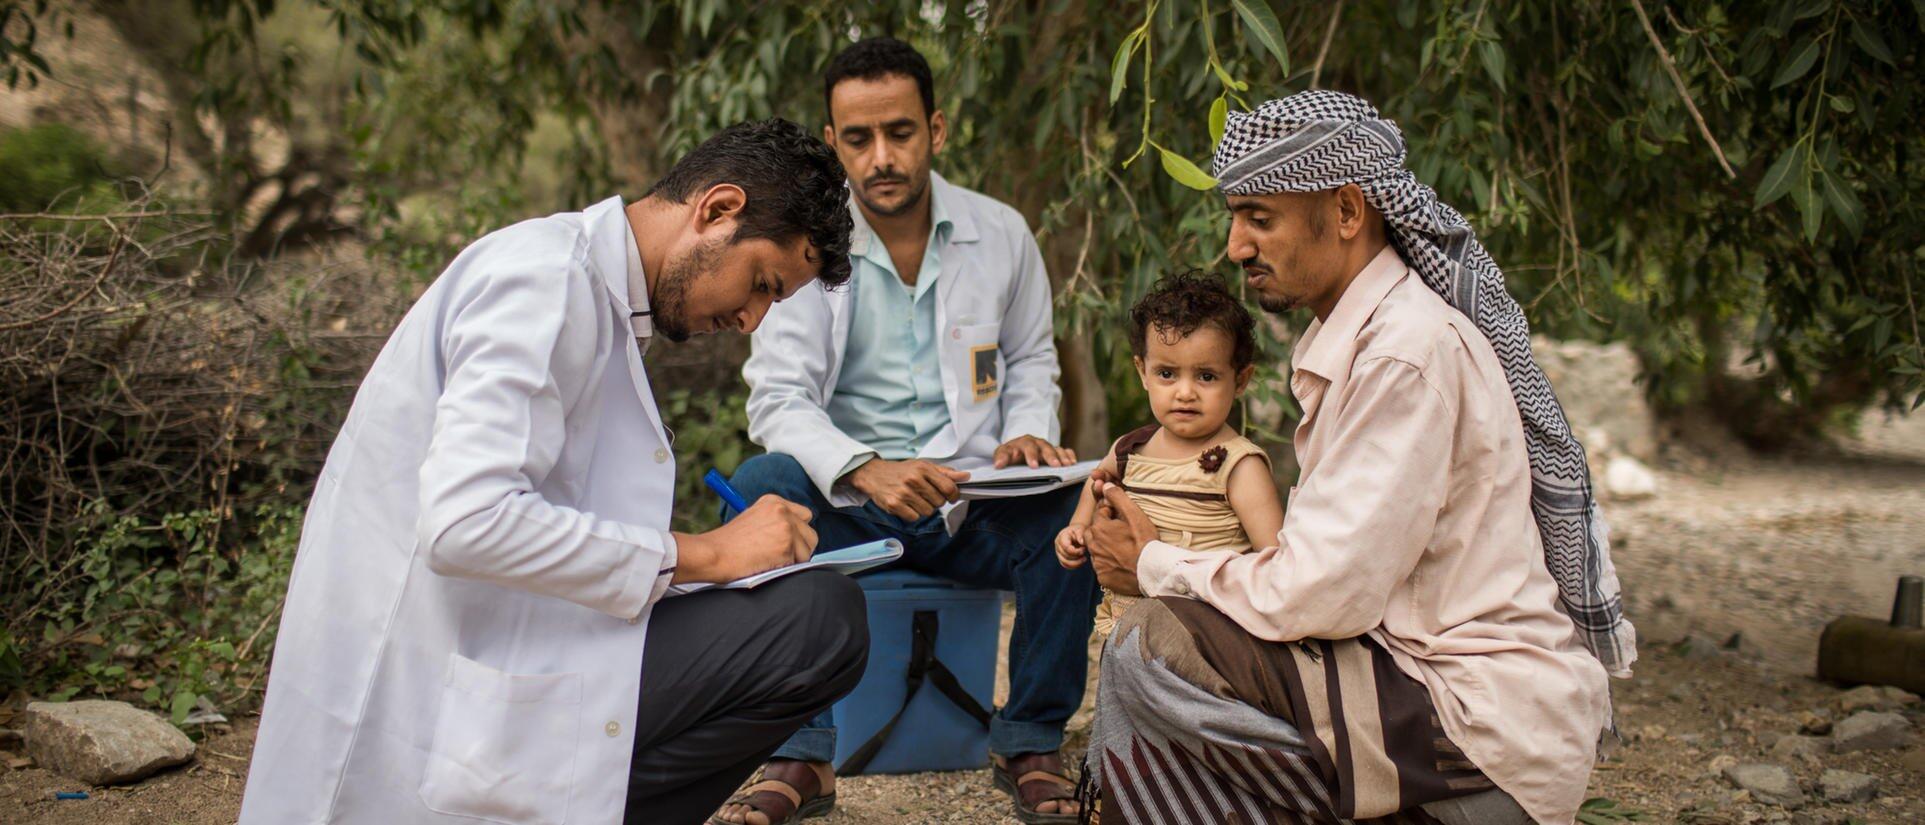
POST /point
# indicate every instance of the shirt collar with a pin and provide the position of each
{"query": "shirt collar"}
(1329, 345)
(612, 251)
(640, 313)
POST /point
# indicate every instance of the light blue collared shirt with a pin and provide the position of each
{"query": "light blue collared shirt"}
(889, 395)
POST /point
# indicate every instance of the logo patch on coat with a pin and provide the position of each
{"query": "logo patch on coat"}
(982, 371)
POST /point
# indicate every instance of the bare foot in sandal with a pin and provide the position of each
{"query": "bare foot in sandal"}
(1042, 790)
(787, 791)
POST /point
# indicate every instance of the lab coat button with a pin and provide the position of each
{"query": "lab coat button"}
(661, 456)
(613, 728)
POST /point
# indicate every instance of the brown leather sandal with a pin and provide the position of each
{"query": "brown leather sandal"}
(1028, 814)
(780, 801)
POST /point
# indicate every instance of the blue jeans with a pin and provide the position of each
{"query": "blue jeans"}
(1006, 544)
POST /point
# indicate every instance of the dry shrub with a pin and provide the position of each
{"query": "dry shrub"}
(160, 407)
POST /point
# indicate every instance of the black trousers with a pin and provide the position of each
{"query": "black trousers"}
(727, 676)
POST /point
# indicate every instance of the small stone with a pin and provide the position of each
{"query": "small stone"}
(1870, 730)
(1873, 697)
(1651, 733)
(1627, 479)
(1720, 763)
(1767, 783)
(1699, 646)
(102, 742)
(1808, 748)
(18, 762)
(1814, 723)
(1846, 786)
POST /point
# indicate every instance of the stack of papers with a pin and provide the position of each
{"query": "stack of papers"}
(848, 561)
(1020, 480)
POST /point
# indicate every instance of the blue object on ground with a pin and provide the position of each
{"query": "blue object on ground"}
(933, 733)
(70, 794)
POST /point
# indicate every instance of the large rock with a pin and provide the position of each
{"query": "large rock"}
(1870, 731)
(1767, 783)
(100, 742)
(1598, 386)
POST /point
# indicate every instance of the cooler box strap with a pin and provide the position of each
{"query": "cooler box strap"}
(922, 662)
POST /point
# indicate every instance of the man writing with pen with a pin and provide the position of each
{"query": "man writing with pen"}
(874, 399)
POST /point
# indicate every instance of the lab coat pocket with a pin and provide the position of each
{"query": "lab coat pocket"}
(504, 745)
(979, 367)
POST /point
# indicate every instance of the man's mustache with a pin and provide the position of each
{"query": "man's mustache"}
(1253, 265)
(885, 177)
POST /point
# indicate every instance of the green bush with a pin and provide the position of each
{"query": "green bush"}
(52, 165)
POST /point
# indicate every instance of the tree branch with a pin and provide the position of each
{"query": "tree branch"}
(1671, 68)
(1316, 71)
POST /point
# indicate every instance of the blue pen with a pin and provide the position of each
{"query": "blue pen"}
(720, 485)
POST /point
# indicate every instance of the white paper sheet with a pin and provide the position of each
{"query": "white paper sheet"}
(847, 561)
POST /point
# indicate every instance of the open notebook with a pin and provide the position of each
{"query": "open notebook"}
(1022, 480)
(848, 561)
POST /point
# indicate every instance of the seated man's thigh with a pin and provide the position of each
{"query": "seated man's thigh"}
(722, 648)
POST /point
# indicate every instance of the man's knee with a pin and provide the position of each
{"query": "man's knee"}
(772, 474)
(829, 615)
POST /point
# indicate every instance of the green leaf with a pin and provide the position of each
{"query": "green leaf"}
(1492, 56)
(182, 705)
(1219, 112)
(1120, 64)
(1873, 44)
(1811, 208)
(1185, 172)
(1844, 202)
(1263, 23)
(1778, 178)
(1841, 104)
(1802, 57)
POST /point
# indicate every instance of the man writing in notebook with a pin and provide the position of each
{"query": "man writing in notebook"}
(937, 354)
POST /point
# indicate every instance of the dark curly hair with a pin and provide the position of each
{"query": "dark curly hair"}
(795, 186)
(1183, 302)
(875, 58)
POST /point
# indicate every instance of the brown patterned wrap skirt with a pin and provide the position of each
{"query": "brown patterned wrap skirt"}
(1197, 721)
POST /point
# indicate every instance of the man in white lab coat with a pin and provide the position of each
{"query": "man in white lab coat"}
(476, 627)
(940, 352)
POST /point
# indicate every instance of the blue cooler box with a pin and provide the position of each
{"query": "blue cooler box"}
(934, 732)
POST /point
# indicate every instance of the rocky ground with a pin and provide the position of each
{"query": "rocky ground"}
(1731, 570)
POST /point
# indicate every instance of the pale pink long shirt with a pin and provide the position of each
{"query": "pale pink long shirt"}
(1411, 522)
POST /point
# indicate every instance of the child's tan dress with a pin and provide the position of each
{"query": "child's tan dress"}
(1187, 499)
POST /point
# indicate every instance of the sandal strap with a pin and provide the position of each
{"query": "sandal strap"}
(1060, 781)
(778, 787)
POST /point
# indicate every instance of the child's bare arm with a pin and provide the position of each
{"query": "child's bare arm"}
(1086, 501)
(1253, 495)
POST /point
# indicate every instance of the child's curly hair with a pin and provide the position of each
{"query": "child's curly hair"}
(1182, 302)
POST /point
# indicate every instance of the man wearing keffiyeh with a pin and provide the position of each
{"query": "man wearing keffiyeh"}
(1429, 638)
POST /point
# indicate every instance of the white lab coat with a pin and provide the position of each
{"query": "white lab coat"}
(463, 633)
(993, 292)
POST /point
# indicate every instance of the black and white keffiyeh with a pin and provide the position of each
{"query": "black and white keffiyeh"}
(1320, 140)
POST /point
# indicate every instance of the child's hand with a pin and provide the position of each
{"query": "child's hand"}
(1072, 546)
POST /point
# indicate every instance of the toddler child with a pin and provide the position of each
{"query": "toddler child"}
(1204, 486)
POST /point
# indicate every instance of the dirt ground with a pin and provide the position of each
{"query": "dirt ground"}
(1768, 549)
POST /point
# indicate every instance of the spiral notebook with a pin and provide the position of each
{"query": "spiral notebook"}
(848, 561)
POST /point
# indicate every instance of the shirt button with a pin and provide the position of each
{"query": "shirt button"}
(613, 728)
(661, 455)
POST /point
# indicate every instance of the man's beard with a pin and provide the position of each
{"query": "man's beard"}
(908, 203)
(670, 299)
